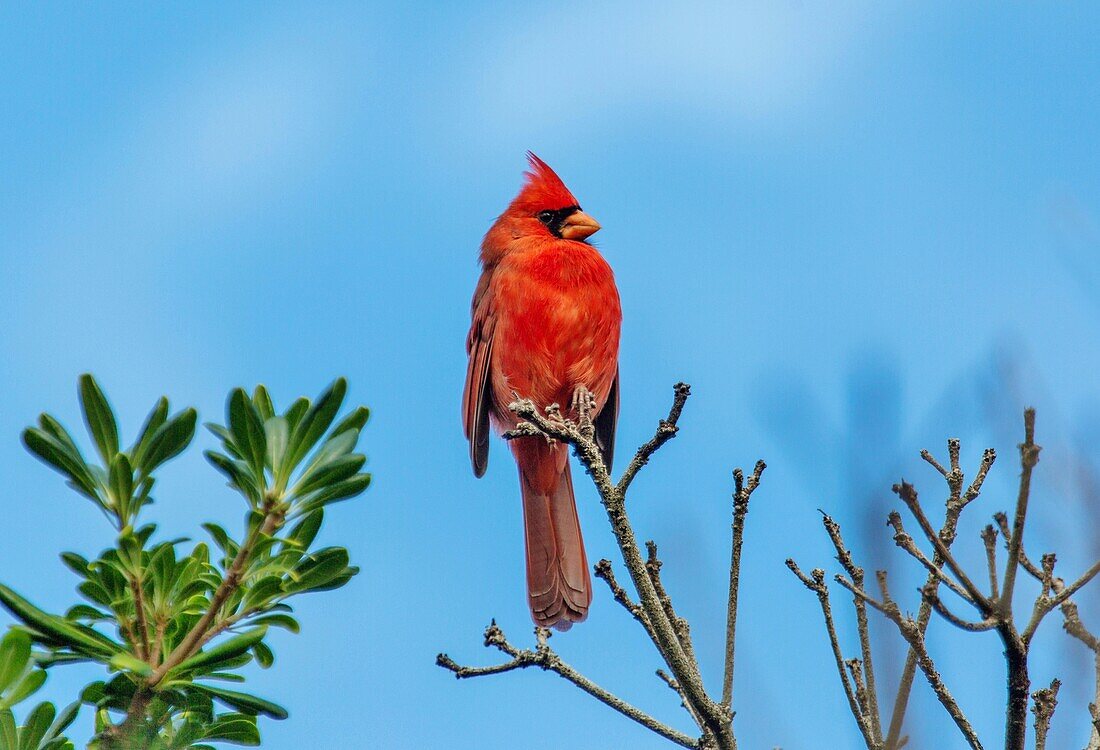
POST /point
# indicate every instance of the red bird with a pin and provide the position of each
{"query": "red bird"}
(546, 320)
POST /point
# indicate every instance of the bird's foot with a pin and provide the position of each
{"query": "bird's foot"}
(584, 401)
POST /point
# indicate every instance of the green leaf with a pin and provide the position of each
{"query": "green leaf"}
(75, 636)
(264, 656)
(223, 676)
(64, 719)
(213, 657)
(24, 688)
(295, 412)
(330, 473)
(226, 437)
(15, 652)
(320, 569)
(36, 726)
(313, 425)
(277, 433)
(153, 422)
(100, 419)
(302, 535)
(262, 399)
(122, 483)
(263, 590)
(49, 449)
(169, 440)
(84, 612)
(75, 563)
(344, 490)
(127, 662)
(221, 538)
(53, 427)
(239, 729)
(279, 621)
(9, 733)
(353, 421)
(339, 580)
(248, 431)
(249, 704)
(334, 448)
(240, 478)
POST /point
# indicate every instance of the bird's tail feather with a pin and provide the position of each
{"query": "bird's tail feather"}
(559, 589)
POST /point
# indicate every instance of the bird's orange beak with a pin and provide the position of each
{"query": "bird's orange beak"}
(578, 226)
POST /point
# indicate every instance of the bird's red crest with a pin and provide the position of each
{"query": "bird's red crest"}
(543, 190)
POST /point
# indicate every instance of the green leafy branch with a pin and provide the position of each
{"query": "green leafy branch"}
(169, 625)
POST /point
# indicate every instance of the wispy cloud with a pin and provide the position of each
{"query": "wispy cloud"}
(755, 61)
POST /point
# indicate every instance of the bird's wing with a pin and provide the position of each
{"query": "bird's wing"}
(605, 423)
(476, 396)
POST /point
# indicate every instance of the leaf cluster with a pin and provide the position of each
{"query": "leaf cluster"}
(171, 622)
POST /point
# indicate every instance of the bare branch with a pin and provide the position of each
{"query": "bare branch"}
(844, 557)
(915, 637)
(679, 624)
(741, 494)
(1029, 457)
(1076, 586)
(908, 495)
(989, 539)
(931, 595)
(1046, 700)
(975, 488)
(955, 505)
(605, 572)
(544, 657)
(666, 430)
(1071, 618)
(927, 456)
(903, 540)
(672, 683)
(1094, 714)
(668, 631)
(855, 668)
(815, 582)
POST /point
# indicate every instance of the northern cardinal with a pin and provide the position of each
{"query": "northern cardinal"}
(546, 320)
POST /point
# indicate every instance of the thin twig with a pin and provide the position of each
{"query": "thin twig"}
(1029, 457)
(844, 557)
(989, 539)
(544, 657)
(605, 572)
(931, 595)
(672, 683)
(666, 430)
(679, 624)
(912, 634)
(1046, 700)
(741, 494)
(908, 495)
(903, 540)
(815, 582)
(948, 532)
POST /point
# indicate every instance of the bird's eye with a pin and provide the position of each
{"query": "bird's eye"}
(546, 216)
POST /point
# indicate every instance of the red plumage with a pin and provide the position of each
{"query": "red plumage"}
(546, 321)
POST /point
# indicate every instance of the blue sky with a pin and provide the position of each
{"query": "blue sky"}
(854, 228)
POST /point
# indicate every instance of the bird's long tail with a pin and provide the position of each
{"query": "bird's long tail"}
(559, 589)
